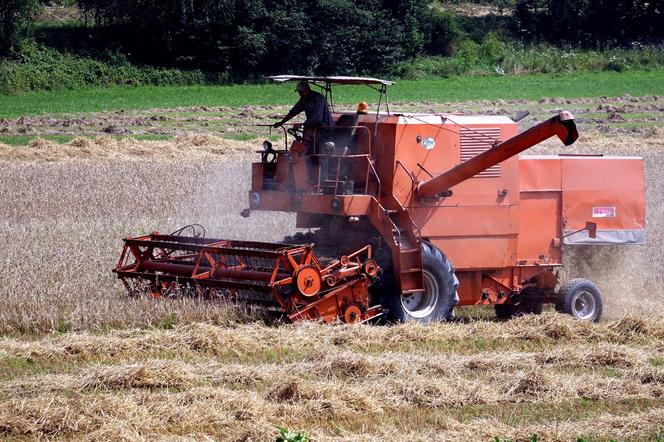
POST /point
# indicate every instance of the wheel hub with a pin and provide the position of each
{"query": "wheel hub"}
(583, 305)
(422, 304)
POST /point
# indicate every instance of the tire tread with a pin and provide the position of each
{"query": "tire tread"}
(567, 291)
(431, 255)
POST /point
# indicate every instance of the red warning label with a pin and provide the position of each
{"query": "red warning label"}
(604, 212)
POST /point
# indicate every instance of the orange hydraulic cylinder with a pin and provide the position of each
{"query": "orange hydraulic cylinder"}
(561, 125)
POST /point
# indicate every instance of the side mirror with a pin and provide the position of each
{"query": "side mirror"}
(591, 228)
(329, 148)
(520, 115)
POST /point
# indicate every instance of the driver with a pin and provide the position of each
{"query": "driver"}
(315, 108)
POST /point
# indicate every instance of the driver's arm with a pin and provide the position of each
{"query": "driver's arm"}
(297, 109)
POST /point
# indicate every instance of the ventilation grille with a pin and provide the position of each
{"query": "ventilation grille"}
(476, 141)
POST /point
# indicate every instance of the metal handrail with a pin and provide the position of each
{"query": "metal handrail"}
(396, 228)
(417, 228)
(413, 186)
(373, 169)
(412, 180)
(271, 126)
(344, 127)
(338, 157)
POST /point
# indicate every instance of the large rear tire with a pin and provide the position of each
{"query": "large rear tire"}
(581, 299)
(437, 301)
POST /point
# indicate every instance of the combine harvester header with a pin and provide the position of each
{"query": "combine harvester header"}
(290, 278)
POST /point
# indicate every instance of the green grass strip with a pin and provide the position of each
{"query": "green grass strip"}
(19, 140)
(22, 140)
(531, 87)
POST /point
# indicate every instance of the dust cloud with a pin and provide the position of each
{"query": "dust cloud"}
(219, 199)
(184, 147)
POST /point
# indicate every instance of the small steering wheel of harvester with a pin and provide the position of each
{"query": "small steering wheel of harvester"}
(269, 155)
(296, 132)
(269, 159)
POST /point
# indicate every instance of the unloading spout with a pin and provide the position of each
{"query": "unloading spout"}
(561, 125)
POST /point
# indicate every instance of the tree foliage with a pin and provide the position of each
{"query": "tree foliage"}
(14, 19)
(266, 36)
(591, 23)
(441, 32)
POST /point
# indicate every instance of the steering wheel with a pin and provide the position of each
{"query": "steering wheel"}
(269, 155)
(296, 132)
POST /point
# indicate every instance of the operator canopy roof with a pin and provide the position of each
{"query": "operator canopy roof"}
(332, 80)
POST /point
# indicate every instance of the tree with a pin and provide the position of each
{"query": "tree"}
(14, 20)
(252, 38)
(591, 23)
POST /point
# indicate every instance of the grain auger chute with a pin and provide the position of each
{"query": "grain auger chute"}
(287, 278)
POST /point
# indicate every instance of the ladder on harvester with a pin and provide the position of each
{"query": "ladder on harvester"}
(398, 229)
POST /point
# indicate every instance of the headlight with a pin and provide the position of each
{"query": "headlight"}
(336, 205)
(428, 143)
(254, 200)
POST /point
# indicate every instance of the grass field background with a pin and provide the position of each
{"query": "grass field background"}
(441, 90)
(613, 103)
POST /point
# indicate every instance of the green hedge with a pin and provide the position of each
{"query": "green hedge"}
(495, 57)
(40, 68)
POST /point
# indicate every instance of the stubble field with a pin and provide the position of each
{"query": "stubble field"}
(80, 360)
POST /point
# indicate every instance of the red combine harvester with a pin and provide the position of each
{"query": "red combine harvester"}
(423, 211)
